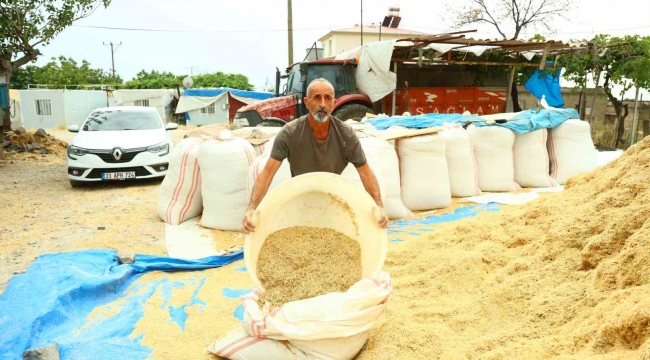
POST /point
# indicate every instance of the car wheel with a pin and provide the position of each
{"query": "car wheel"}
(352, 111)
(75, 183)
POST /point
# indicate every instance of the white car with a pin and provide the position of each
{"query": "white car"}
(119, 143)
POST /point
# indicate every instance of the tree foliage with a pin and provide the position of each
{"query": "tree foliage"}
(26, 24)
(509, 17)
(621, 61)
(160, 80)
(60, 72)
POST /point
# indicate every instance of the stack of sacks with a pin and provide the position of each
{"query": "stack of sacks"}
(424, 172)
(350, 172)
(463, 171)
(571, 150)
(382, 158)
(493, 150)
(224, 169)
(532, 161)
(179, 195)
(283, 174)
(258, 132)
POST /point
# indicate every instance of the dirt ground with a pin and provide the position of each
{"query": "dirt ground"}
(42, 214)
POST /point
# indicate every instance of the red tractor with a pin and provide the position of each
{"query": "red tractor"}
(288, 105)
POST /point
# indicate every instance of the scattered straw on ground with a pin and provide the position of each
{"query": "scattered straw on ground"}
(566, 276)
(29, 143)
(300, 262)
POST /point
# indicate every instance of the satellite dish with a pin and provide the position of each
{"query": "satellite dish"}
(188, 82)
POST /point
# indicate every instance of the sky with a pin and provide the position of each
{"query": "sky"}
(250, 37)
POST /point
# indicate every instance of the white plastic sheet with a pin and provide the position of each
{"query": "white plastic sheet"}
(373, 74)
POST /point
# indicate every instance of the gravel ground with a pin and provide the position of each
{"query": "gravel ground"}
(42, 214)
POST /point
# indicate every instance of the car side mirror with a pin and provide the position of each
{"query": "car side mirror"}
(73, 128)
(171, 126)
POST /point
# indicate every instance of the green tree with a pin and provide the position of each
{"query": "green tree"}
(26, 24)
(154, 80)
(23, 76)
(220, 79)
(161, 80)
(622, 61)
(66, 71)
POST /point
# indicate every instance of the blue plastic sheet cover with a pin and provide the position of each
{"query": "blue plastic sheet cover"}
(256, 95)
(419, 121)
(546, 84)
(204, 92)
(531, 120)
(50, 303)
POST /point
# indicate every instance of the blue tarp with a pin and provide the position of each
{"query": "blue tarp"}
(256, 95)
(204, 92)
(52, 300)
(526, 121)
(531, 120)
(546, 84)
(419, 121)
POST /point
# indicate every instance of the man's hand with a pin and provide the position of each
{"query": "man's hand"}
(247, 225)
(383, 220)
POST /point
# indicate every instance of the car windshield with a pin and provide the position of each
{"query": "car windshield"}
(118, 120)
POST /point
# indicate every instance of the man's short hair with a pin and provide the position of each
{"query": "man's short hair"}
(316, 81)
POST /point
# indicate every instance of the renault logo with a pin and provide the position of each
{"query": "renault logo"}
(117, 154)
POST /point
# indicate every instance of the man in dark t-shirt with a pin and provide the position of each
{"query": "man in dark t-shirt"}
(312, 143)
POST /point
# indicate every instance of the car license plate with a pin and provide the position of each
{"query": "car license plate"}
(119, 175)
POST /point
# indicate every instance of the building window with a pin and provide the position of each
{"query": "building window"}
(210, 109)
(44, 107)
(144, 103)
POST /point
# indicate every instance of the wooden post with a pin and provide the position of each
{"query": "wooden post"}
(646, 128)
(593, 101)
(635, 118)
(509, 104)
(394, 90)
(542, 64)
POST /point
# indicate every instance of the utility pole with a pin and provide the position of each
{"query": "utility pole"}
(290, 32)
(112, 55)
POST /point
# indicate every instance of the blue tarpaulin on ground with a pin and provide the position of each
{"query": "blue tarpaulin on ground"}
(531, 120)
(256, 95)
(546, 84)
(50, 303)
(523, 122)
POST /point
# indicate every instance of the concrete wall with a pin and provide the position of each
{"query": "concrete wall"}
(220, 115)
(28, 106)
(79, 104)
(158, 104)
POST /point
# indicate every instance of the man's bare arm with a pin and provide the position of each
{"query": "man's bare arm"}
(371, 185)
(260, 188)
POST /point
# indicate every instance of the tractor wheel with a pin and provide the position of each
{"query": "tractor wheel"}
(352, 111)
(272, 122)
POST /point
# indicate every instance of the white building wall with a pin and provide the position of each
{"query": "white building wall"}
(31, 120)
(78, 104)
(220, 115)
(16, 115)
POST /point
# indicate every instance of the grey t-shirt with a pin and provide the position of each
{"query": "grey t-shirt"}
(306, 154)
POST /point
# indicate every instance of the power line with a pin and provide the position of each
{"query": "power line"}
(199, 31)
